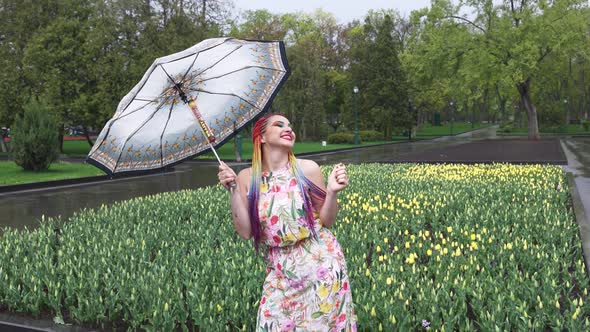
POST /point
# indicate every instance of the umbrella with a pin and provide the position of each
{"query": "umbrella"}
(190, 102)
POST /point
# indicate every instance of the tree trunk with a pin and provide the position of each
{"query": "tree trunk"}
(90, 142)
(204, 15)
(303, 131)
(61, 138)
(2, 145)
(525, 97)
(567, 113)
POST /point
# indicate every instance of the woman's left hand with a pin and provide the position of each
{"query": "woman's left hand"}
(338, 179)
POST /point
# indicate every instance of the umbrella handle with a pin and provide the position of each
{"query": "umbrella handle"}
(207, 132)
(232, 185)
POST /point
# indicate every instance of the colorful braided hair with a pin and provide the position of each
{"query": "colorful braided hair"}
(254, 194)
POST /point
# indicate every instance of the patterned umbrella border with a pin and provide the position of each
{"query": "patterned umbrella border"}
(283, 52)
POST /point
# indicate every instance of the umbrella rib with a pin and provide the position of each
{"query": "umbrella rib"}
(150, 100)
(237, 70)
(135, 131)
(223, 58)
(191, 66)
(140, 108)
(162, 135)
(226, 94)
(169, 77)
(122, 116)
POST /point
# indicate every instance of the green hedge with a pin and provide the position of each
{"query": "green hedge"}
(348, 138)
(484, 247)
(35, 137)
(341, 138)
(370, 136)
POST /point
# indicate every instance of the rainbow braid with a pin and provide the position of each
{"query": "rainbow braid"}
(254, 194)
(303, 183)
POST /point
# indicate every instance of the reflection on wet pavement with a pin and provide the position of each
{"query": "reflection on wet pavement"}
(379, 153)
(26, 208)
(578, 155)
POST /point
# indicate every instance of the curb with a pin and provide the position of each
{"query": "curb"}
(544, 135)
(13, 323)
(13, 188)
(5, 189)
(474, 162)
(581, 219)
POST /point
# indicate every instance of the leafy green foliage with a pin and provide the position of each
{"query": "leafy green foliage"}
(10, 173)
(503, 46)
(370, 136)
(341, 138)
(35, 135)
(377, 71)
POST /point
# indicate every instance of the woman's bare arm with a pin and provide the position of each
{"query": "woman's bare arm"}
(327, 208)
(238, 198)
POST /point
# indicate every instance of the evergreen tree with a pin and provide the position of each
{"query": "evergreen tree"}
(35, 135)
(377, 72)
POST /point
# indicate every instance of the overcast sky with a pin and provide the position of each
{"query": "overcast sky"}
(344, 10)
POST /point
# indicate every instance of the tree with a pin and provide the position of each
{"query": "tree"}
(505, 43)
(35, 135)
(376, 69)
(56, 64)
(260, 25)
(19, 21)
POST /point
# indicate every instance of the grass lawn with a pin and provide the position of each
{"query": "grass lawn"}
(569, 129)
(80, 148)
(427, 130)
(11, 173)
(76, 148)
(226, 151)
(445, 129)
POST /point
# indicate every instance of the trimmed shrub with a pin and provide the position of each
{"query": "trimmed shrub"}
(586, 125)
(35, 137)
(341, 138)
(506, 127)
(370, 136)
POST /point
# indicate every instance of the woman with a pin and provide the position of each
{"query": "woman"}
(283, 204)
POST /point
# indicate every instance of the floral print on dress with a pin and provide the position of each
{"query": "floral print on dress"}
(306, 286)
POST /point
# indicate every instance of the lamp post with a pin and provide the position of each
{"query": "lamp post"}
(411, 122)
(238, 144)
(567, 113)
(355, 91)
(452, 116)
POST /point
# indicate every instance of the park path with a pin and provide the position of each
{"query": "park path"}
(577, 151)
(25, 208)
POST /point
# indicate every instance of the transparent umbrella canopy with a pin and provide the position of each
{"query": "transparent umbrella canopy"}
(189, 103)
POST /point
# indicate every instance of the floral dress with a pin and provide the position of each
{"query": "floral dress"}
(306, 286)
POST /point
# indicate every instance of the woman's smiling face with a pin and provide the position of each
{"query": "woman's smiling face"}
(278, 131)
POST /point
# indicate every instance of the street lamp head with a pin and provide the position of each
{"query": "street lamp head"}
(451, 103)
(355, 89)
(565, 100)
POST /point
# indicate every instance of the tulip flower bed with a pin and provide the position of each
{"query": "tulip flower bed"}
(453, 247)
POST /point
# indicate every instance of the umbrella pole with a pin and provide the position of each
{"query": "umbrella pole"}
(215, 153)
(204, 129)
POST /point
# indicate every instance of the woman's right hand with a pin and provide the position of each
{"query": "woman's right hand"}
(227, 176)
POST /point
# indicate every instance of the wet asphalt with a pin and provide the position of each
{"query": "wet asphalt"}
(24, 209)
